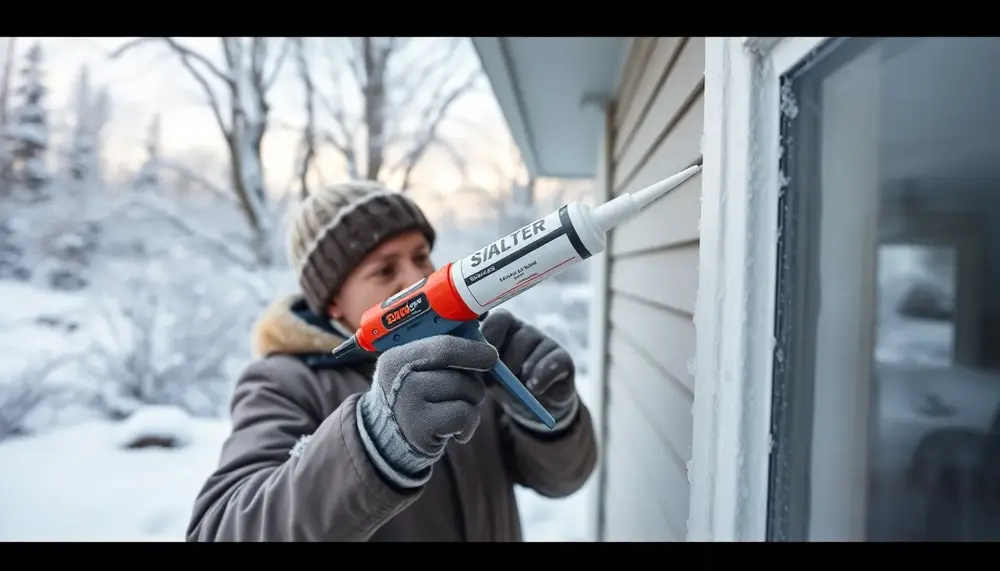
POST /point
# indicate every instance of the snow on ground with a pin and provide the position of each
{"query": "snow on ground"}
(77, 484)
(80, 483)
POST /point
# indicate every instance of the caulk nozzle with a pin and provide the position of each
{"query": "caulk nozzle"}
(650, 193)
(346, 347)
(616, 211)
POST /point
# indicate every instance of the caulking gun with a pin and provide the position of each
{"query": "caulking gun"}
(451, 300)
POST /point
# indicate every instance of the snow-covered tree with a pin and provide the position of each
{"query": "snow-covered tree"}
(90, 114)
(148, 178)
(237, 91)
(28, 130)
(6, 74)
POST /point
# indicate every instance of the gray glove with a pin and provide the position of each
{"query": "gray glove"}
(545, 368)
(423, 394)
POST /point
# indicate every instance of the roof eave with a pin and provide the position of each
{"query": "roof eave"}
(496, 62)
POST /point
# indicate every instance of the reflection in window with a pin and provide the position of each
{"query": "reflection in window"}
(887, 422)
(916, 297)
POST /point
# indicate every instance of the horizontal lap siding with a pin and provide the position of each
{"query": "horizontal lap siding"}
(651, 292)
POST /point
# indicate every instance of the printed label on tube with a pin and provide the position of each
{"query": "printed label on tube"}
(522, 259)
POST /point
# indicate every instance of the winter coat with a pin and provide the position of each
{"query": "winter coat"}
(294, 467)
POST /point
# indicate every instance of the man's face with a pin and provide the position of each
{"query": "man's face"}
(395, 265)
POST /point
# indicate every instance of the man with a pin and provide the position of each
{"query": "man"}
(416, 445)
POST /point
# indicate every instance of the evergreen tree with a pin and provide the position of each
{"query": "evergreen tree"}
(28, 131)
(90, 111)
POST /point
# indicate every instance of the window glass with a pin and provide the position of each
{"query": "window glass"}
(887, 365)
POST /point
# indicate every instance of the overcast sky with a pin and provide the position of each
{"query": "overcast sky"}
(150, 80)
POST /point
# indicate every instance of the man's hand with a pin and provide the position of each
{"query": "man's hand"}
(545, 368)
(423, 395)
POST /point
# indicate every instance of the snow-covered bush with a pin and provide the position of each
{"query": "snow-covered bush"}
(27, 395)
(70, 253)
(163, 343)
(12, 262)
(155, 426)
(50, 243)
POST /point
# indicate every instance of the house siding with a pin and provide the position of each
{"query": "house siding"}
(652, 280)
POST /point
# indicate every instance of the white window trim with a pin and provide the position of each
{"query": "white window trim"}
(734, 314)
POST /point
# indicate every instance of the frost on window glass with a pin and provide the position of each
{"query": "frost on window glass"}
(788, 105)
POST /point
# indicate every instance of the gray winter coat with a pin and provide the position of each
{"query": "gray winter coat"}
(294, 467)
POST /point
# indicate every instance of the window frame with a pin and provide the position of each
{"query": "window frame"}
(735, 311)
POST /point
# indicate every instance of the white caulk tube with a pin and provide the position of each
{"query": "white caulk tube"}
(549, 246)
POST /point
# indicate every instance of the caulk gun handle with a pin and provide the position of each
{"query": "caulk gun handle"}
(470, 330)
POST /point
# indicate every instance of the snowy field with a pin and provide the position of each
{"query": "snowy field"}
(74, 480)
(77, 483)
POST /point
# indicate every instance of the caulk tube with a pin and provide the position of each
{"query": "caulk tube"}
(547, 247)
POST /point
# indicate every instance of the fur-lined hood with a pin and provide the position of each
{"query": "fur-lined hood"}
(288, 327)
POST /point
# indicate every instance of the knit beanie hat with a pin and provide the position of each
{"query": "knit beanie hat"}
(337, 226)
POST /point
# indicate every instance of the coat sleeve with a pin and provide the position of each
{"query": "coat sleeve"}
(328, 490)
(556, 465)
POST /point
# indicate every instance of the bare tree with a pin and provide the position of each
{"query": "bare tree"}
(237, 95)
(386, 100)
(308, 151)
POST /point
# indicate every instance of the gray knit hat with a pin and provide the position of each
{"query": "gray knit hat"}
(336, 227)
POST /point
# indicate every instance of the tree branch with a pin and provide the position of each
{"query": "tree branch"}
(309, 132)
(278, 63)
(355, 60)
(200, 179)
(168, 213)
(342, 137)
(187, 58)
(433, 121)
(417, 77)
(183, 51)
